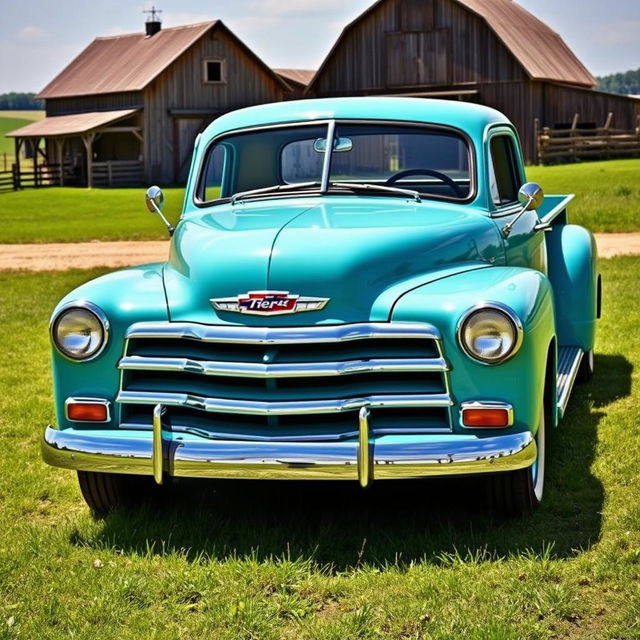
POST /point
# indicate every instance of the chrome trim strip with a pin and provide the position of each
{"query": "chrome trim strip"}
(393, 457)
(298, 407)
(158, 448)
(282, 335)
(96, 311)
(509, 312)
(100, 401)
(365, 475)
(486, 404)
(569, 359)
(298, 369)
(326, 165)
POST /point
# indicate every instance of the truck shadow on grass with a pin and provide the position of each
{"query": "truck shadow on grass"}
(340, 526)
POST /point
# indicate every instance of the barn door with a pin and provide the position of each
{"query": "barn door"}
(185, 131)
(418, 58)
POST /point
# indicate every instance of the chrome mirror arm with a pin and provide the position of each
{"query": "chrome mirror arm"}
(530, 196)
(154, 200)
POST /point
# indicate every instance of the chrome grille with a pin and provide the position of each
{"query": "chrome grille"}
(286, 383)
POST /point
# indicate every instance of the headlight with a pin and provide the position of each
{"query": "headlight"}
(80, 330)
(490, 333)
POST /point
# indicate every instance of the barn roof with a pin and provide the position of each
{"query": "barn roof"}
(297, 76)
(130, 62)
(538, 48)
(69, 125)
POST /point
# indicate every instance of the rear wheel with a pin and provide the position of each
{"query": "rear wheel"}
(103, 492)
(587, 367)
(520, 492)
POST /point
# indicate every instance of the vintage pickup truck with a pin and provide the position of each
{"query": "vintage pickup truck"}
(358, 289)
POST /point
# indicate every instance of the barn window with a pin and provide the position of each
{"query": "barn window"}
(504, 179)
(214, 71)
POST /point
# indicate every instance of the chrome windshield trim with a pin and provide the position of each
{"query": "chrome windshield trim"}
(326, 165)
(282, 335)
(283, 408)
(290, 370)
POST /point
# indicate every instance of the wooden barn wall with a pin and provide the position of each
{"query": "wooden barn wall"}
(562, 102)
(84, 104)
(181, 87)
(475, 55)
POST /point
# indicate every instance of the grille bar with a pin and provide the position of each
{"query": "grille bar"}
(283, 335)
(289, 370)
(223, 405)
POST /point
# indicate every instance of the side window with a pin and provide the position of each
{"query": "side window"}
(213, 176)
(503, 174)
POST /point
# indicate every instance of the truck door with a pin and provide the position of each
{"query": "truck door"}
(523, 246)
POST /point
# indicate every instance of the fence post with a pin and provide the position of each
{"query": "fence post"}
(16, 176)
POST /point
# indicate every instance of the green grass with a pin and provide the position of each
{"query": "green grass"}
(607, 193)
(68, 214)
(7, 144)
(272, 561)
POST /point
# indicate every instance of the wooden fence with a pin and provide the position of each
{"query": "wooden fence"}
(105, 174)
(570, 145)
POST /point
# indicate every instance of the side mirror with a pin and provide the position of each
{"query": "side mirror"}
(155, 201)
(530, 196)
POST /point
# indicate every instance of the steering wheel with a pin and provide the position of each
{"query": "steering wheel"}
(427, 172)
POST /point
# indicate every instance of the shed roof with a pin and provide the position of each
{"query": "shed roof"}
(130, 62)
(298, 76)
(69, 125)
(538, 48)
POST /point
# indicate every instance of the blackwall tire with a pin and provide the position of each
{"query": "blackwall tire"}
(587, 367)
(520, 492)
(104, 492)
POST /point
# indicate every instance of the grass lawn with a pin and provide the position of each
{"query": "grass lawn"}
(607, 193)
(67, 214)
(10, 120)
(608, 199)
(331, 562)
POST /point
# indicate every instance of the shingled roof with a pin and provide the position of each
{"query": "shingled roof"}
(538, 48)
(130, 62)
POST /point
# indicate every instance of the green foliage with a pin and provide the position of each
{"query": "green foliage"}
(627, 82)
(15, 100)
(324, 562)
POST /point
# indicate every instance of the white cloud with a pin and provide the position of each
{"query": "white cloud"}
(31, 32)
(294, 7)
(179, 18)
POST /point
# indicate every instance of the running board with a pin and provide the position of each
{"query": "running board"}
(569, 359)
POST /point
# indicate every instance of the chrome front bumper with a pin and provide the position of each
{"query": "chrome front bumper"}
(162, 453)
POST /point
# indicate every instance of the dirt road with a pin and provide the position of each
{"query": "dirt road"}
(86, 255)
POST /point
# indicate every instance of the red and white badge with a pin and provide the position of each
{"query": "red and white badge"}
(268, 303)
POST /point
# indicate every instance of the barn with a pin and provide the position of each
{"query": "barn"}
(493, 52)
(128, 108)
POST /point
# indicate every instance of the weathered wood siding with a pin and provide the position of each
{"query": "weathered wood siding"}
(180, 94)
(103, 102)
(394, 46)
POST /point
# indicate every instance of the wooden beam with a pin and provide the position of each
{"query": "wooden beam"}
(59, 142)
(87, 140)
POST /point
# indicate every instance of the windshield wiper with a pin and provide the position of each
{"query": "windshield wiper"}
(272, 189)
(366, 186)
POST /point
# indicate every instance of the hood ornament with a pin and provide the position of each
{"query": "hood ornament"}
(268, 303)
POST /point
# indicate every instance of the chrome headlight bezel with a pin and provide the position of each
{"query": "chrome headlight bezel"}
(87, 307)
(510, 316)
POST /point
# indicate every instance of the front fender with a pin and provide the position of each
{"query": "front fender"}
(520, 380)
(125, 296)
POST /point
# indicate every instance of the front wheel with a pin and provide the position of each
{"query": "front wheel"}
(103, 492)
(587, 367)
(520, 492)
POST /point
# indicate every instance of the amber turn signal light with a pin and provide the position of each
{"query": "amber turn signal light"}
(485, 417)
(87, 412)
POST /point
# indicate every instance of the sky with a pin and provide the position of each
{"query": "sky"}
(38, 38)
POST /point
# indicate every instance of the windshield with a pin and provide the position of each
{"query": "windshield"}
(387, 158)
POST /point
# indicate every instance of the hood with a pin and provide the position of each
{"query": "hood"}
(360, 253)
